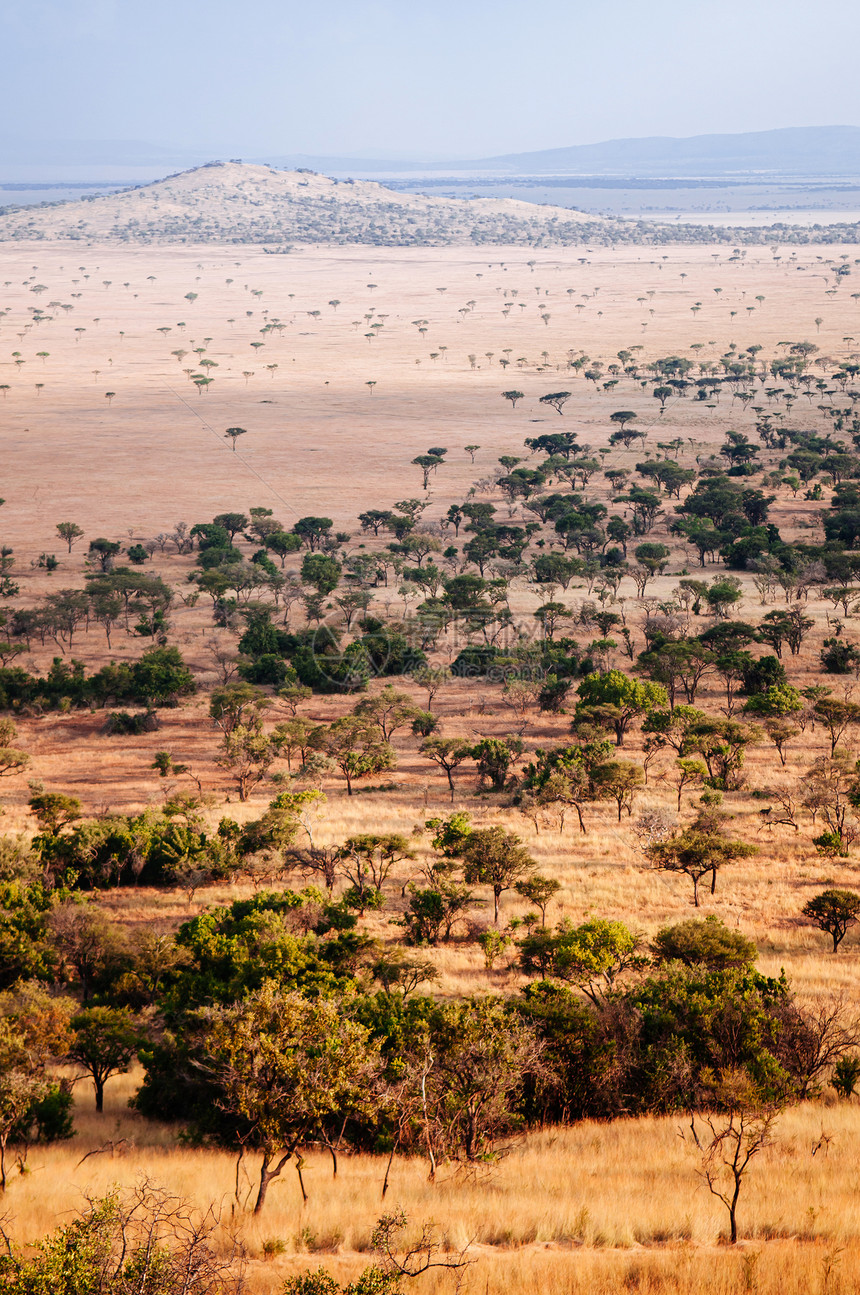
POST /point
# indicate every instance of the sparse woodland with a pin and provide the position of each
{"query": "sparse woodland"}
(493, 854)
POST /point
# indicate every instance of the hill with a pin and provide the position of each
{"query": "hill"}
(231, 202)
(803, 150)
(242, 203)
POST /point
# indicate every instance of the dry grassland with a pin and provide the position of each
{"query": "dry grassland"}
(596, 1208)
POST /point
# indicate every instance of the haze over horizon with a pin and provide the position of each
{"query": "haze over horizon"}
(381, 79)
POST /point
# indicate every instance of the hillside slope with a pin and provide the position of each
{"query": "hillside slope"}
(240, 203)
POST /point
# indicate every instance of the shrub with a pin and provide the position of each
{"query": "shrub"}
(120, 723)
(707, 943)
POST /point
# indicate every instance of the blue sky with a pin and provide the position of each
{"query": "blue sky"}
(444, 78)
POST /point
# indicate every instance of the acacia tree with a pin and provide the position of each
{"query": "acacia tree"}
(33, 1035)
(389, 710)
(618, 780)
(357, 749)
(367, 860)
(622, 417)
(233, 433)
(556, 400)
(69, 532)
(493, 857)
(697, 850)
(592, 956)
(836, 716)
(513, 397)
(539, 891)
(833, 911)
(479, 1055)
(283, 1065)
(105, 1040)
(12, 759)
(449, 753)
(248, 754)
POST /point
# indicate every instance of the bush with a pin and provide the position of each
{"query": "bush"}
(266, 669)
(120, 723)
(761, 675)
(839, 656)
(707, 943)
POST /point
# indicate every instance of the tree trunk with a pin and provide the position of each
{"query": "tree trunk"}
(388, 1168)
(299, 1163)
(733, 1217)
(99, 1086)
(266, 1176)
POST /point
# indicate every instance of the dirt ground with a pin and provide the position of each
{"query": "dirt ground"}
(319, 438)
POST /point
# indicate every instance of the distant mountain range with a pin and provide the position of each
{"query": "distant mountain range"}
(803, 150)
(808, 150)
(811, 151)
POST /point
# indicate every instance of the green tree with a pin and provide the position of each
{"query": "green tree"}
(312, 530)
(689, 773)
(161, 677)
(496, 858)
(233, 433)
(104, 551)
(618, 780)
(833, 911)
(722, 744)
(780, 701)
(248, 754)
(619, 698)
(482, 1056)
(704, 942)
(236, 703)
(494, 757)
(389, 710)
(449, 753)
(556, 400)
(322, 572)
(700, 849)
(283, 1065)
(69, 532)
(836, 716)
(592, 956)
(539, 891)
(104, 1041)
(356, 748)
(33, 1035)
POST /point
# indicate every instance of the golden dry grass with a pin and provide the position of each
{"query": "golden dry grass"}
(581, 1208)
(320, 443)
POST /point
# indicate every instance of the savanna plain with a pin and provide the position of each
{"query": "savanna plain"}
(430, 718)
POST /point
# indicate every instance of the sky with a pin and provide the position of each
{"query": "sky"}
(420, 78)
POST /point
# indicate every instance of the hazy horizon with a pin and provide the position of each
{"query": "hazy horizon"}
(380, 79)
